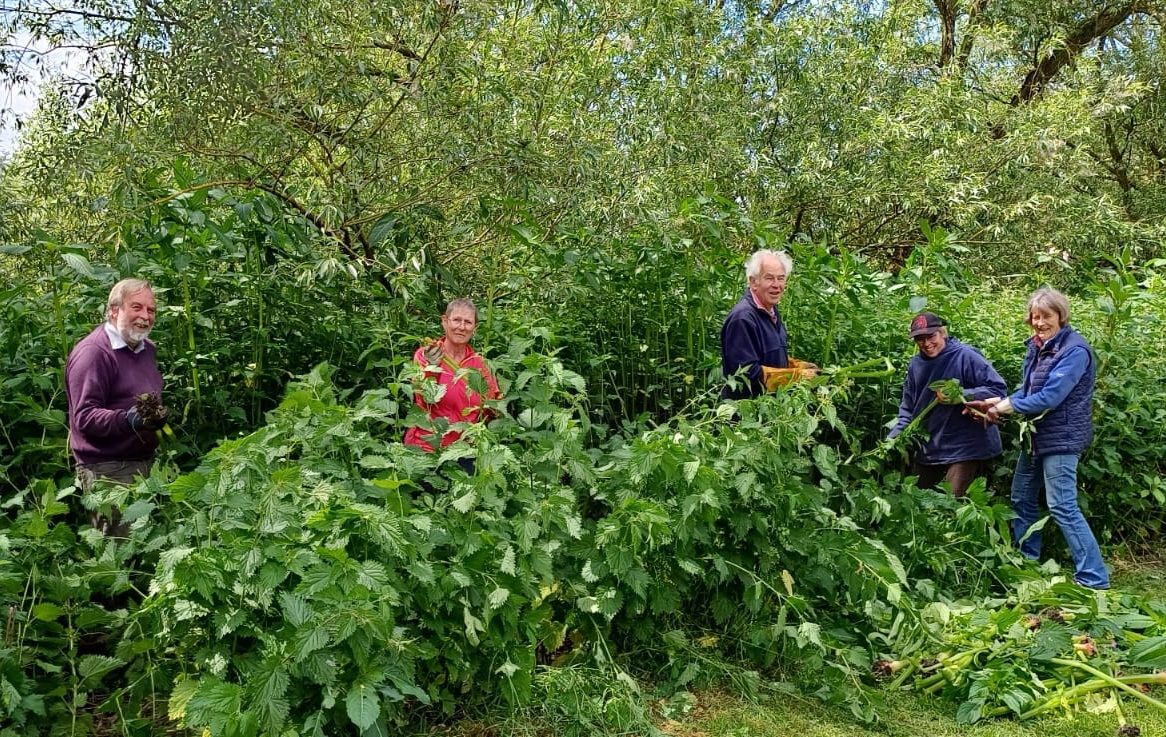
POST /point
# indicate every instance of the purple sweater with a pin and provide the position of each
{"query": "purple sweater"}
(101, 384)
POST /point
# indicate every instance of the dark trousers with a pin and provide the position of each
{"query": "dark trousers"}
(960, 475)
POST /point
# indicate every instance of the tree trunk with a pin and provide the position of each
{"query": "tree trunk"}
(1078, 38)
(975, 10)
(947, 13)
(1088, 31)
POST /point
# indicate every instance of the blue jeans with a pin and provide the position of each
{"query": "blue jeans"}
(1057, 473)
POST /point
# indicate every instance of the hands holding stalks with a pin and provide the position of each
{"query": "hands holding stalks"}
(985, 411)
(988, 411)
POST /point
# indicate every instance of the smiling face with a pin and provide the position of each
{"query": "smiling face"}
(931, 344)
(1045, 323)
(134, 317)
(459, 326)
(769, 284)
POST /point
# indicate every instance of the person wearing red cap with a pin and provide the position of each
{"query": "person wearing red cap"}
(957, 448)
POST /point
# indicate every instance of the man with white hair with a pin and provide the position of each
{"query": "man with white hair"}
(753, 338)
(106, 375)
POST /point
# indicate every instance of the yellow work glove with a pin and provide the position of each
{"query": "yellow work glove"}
(799, 363)
(773, 378)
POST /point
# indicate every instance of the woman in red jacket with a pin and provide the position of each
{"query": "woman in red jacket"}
(446, 389)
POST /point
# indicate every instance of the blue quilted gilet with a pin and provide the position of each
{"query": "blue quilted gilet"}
(1067, 428)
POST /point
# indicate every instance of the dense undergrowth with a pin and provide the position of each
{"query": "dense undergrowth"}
(293, 568)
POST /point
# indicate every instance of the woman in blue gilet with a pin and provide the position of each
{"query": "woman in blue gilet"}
(1055, 394)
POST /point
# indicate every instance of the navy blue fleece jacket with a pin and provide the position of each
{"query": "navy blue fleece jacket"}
(752, 337)
(953, 437)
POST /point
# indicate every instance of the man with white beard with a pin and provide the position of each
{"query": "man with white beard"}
(105, 375)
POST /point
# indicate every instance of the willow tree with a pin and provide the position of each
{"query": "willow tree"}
(414, 134)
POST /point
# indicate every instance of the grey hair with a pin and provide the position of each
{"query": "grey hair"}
(1047, 298)
(753, 265)
(122, 290)
(461, 303)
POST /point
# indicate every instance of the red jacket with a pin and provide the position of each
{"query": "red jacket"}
(460, 403)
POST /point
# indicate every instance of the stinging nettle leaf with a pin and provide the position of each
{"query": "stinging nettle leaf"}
(1149, 653)
(183, 692)
(295, 608)
(498, 597)
(466, 502)
(363, 705)
(93, 667)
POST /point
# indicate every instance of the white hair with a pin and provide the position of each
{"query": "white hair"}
(753, 265)
(122, 291)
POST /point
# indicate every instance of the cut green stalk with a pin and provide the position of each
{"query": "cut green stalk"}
(862, 370)
(1105, 680)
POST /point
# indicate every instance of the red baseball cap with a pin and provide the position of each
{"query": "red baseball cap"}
(925, 323)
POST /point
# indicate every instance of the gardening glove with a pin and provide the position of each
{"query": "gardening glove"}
(137, 422)
(432, 353)
(772, 377)
(800, 364)
(135, 419)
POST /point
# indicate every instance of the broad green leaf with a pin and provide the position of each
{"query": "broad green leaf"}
(375, 461)
(215, 704)
(180, 696)
(969, 712)
(1051, 641)
(79, 264)
(498, 597)
(1150, 653)
(47, 612)
(382, 231)
(295, 608)
(309, 640)
(473, 626)
(93, 667)
(506, 565)
(137, 510)
(363, 705)
(168, 559)
(466, 502)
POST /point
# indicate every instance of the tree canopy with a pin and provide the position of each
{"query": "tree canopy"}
(417, 134)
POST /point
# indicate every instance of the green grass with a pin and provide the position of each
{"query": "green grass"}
(1143, 573)
(905, 715)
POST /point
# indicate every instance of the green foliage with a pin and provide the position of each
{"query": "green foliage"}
(319, 572)
(307, 183)
(1049, 645)
(315, 574)
(63, 596)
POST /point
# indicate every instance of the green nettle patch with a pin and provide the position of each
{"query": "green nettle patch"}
(315, 576)
(318, 575)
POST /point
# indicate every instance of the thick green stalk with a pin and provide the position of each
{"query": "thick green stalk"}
(1101, 680)
(190, 343)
